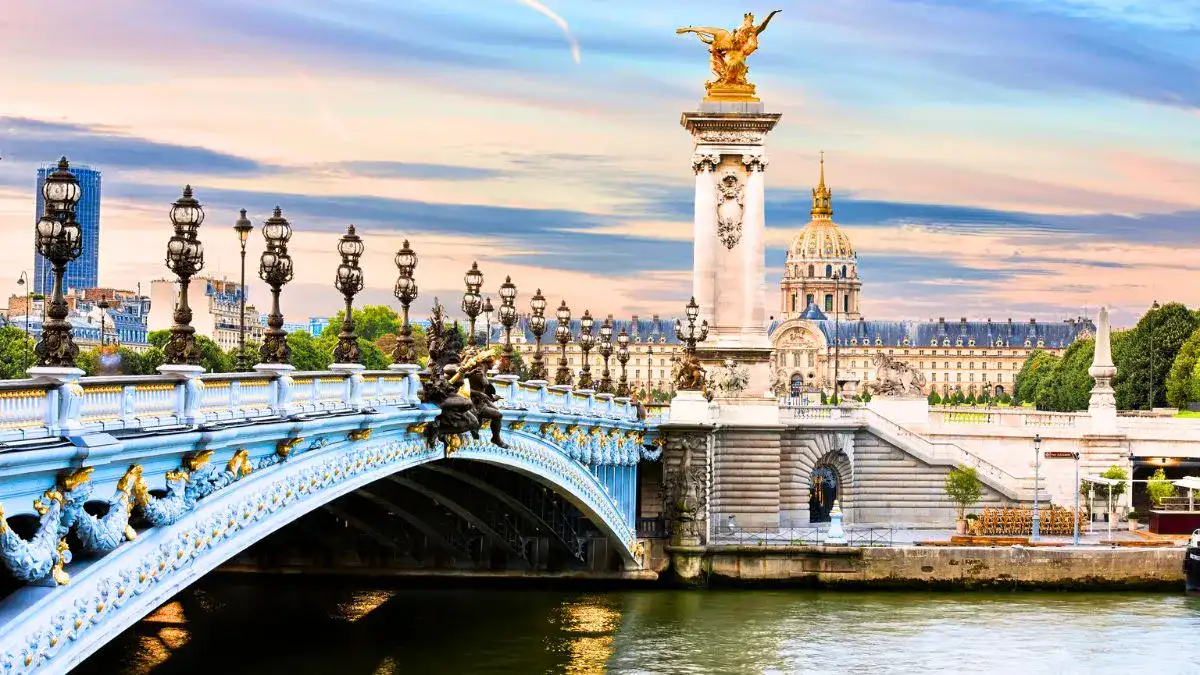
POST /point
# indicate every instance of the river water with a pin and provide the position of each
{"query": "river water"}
(300, 628)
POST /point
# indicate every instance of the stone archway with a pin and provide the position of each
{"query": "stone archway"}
(802, 455)
(823, 492)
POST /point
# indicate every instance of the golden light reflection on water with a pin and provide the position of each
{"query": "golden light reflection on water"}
(172, 612)
(592, 624)
(362, 604)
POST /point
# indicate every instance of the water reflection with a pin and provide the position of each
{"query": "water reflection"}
(268, 628)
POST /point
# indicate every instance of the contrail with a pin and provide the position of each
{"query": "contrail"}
(562, 23)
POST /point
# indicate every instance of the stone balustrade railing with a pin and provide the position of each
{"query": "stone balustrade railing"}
(1008, 417)
(31, 410)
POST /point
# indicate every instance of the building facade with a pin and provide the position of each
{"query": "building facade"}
(821, 335)
(82, 272)
(216, 307)
(123, 322)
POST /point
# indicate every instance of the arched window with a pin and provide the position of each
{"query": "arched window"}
(810, 271)
(796, 385)
(829, 271)
(846, 305)
(828, 302)
(808, 300)
(793, 302)
(843, 271)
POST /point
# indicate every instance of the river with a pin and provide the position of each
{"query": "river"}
(297, 627)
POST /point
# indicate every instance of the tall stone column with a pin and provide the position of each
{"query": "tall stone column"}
(754, 280)
(1102, 405)
(704, 249)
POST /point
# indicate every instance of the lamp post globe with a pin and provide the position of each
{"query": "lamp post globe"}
(488, 310)
(406, 293)
(562, 334)
(58, 238)
(348, 282)
(185, 257)
(275, 268)
(472, 303)
(508, 319)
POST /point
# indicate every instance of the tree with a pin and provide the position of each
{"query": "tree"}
(371, 356)
(1159, 488)
(970, 399)
(212, 357)
(1067, 387)
(16, 353)
(1182, 383)
(370, 322)
(1148, 354)
(934, 398)
(307, 354)
(1038, 366)
(964, 488)
(1110, 493)
(250, 354)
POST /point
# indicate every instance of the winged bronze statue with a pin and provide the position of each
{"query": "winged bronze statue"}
(729, 49)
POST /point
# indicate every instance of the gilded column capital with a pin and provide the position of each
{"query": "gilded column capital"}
(703, 161)
(755, 162)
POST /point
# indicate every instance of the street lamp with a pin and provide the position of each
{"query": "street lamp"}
(185, 257)
(562, 334)
(58, 238)
(1037, 469)
(275, 268)
(103, 307)
(471, 303)
(243, 227)
(837, 340)
(487, 315)
(691, 375)
(1075, 541)
(606, 350)
(537, 326)
(623, 359)
(586, 341)
(649, 370)
(23, 280)
(508, 319)
(349, 282)
(406, 293)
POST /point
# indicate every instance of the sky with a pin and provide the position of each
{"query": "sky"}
(992, 158)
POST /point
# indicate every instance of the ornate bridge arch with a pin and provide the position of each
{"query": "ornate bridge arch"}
(218, 502)
(833, 450)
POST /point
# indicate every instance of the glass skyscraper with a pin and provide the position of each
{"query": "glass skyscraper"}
(82, 272)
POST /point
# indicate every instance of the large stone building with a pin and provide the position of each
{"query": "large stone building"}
(215, 304)
(819, 299)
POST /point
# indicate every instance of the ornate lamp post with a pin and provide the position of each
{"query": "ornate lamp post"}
(537, 326)
(406, 293)
(562, 334)
(185, 257)
(23, 280)
(349, 282)
(691, 375)
(58, 239)
(243, 227)
(586, 341)
(508, 319)
(606, 350)
(623, 359)
(1036, 530)
(487, 315)
(103, 307)
(472, 302)
(649, 370)
(275, 268)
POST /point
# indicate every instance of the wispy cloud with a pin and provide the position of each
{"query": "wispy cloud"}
(562, 23)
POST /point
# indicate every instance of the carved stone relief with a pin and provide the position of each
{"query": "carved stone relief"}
(730, 206)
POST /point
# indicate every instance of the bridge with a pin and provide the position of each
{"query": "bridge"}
(118, 492)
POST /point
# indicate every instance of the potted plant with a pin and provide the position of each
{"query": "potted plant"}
(973, 524)
(1133, 517)
(1159, 488)
(964, 489)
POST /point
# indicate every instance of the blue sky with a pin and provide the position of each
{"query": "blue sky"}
(992, 158)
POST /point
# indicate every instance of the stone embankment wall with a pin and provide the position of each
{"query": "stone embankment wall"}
(946, 567)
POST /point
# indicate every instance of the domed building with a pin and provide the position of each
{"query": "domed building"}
(820, 335)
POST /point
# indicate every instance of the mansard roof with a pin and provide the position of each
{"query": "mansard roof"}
(813, 313)
(957, 334)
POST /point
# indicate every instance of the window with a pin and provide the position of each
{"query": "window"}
(828, 303)
(829, 271)
(983, 366)
(946, 366)
(958, 364)
(972, 367)
(960, 377)
(845, 302)
(843, 271)
(921, 365)
(972, 378)
(638, 373)
(794, 308)
(933, 378)
(811, 274)
(1000, 378)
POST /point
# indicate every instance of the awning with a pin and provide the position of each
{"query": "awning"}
(1188, 483)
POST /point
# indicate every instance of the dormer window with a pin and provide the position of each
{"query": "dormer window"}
(854, 341)
(878, 342)
(1041, 343)
(958, 342)
(1027, 343)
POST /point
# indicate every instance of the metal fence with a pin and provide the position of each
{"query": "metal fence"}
(801, 536)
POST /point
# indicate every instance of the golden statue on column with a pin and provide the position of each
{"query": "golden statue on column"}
(729, 49)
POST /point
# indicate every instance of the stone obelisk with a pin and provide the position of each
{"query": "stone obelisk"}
(729, 131)
(1102, 405)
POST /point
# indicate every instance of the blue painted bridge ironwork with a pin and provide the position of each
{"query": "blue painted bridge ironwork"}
(210, 465)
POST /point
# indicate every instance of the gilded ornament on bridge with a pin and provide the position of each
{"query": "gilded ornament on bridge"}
(728, 50)
(359, 435)
(73, 480)
(285, 447)
(197, 461)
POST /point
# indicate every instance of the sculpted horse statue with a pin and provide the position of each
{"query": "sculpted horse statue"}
(896, 378)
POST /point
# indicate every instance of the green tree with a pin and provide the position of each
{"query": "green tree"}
(1159, 488)
(370, 322)
(158, 338)
(1105, 493)
(934, 398)
(1182, 383)
(16, 353)
(964, 488)
(250, 354)
(372, 356)
(307, 353)
(212, 357)
(1067, 386)
(970, 399)
(1147, 356)
(1038, 366)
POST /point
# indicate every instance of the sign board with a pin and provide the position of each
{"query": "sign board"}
(1059, 454)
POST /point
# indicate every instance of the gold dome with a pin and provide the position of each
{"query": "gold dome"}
(821, 238)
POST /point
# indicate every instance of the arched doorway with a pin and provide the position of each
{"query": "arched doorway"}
(796, 386)
(823, 491)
